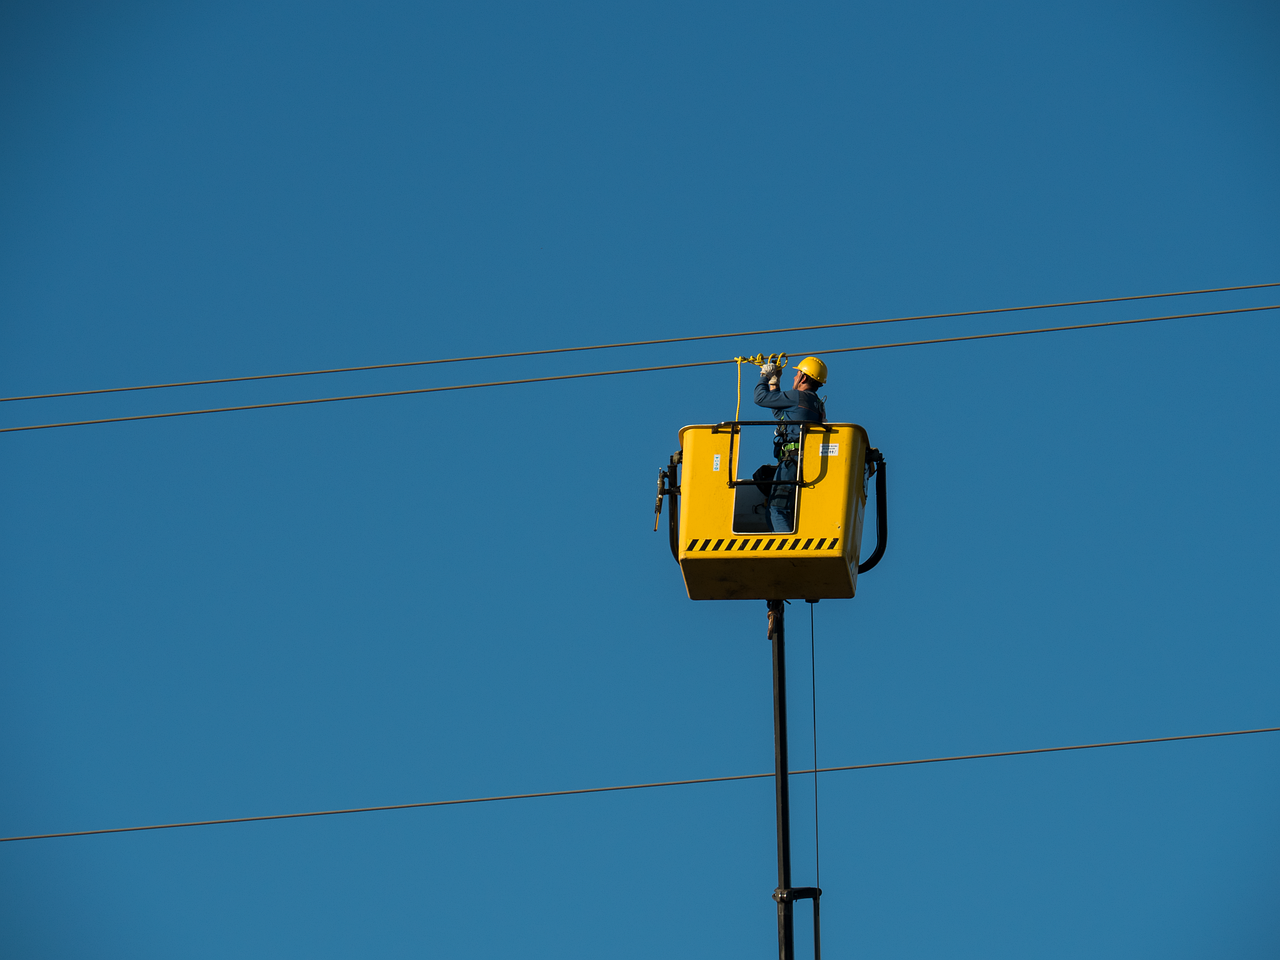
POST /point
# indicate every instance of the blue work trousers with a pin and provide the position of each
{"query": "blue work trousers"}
(782, 500)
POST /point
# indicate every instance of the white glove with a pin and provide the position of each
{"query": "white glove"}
(769, 371)
(773, 382)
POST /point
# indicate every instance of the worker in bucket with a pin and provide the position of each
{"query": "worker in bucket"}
(800, 404)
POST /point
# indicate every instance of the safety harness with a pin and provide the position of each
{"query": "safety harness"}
(787, 446)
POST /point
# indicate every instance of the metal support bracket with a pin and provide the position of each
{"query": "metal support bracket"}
(669, 487)
(792, 894)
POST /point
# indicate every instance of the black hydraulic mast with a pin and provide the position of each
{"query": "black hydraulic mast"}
(785, 894)
(782, 788)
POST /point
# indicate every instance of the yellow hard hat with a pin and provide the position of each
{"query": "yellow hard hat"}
(813, 368)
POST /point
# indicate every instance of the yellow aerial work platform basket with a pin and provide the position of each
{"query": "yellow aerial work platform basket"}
(721, 536)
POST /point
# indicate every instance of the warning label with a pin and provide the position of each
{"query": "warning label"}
(829, 449)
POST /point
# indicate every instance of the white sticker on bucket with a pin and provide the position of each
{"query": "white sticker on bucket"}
(716, 468)
(829, 450)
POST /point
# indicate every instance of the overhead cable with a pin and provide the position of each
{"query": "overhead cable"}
(612, 373)
(637, 786)
(632, 343)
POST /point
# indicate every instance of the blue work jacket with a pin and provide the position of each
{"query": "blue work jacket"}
(802, 406)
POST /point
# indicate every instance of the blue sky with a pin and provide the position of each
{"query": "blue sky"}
(460, 595)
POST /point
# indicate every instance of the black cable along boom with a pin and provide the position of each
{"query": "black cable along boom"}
(639, 786)
(633, 343)
(612, 373)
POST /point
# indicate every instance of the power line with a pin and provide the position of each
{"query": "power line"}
(611, 373)
(637, 786)
(632, 343)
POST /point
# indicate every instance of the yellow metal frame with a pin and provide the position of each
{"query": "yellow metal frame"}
(816, 561)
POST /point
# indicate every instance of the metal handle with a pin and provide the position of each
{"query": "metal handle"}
(882, 512)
